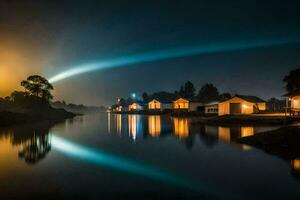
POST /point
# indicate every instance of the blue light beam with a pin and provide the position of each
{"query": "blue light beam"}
(106, 159)
(162, 55)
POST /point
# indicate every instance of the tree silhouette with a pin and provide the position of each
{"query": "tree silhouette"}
(292, 80)
(187, 90)
(38, 86)
(225, 96)
(208, 93)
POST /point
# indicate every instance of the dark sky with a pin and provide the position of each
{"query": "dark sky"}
(50, 37)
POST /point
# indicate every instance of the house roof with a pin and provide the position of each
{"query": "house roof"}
(292, 94)
(160, 100)
(249, 98)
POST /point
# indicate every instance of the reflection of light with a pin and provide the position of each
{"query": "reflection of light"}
(244, 106)
(181, 127)
(296, 164)
(247, 131)
(161, 55)
(118, 163)
(108, 122)
(224, 133)
(119, 123)
(133, 125)
(154, 125)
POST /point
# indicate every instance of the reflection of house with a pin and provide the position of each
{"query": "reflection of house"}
(155, 104)
(187, 105)
(181, 127)
(135, 106)
(211, 108)
(295, 168)
(154, 125)
(227, 133)
(241, 104)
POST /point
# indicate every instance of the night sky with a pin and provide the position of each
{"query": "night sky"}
(40, 37)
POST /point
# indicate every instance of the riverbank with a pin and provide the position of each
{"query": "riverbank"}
(8, 118)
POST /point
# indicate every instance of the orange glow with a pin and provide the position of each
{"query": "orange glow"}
(296, 164)
(181, 104)
(224, 134)
(181, 127)
(154, 104)
(8, 155)
(154, 125)
(247, 131)
(16, 64)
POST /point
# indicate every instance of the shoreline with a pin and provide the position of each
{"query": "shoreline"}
(201, 118)
(8, 118)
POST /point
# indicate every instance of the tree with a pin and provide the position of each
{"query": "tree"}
(18, 96)
(225, 96)
(38, 86)
(187, 90)
(145, 97)
(292, 80)
(208, 93)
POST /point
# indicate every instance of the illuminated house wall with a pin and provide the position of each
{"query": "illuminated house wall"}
(134, 106)
(262, 106)
(295, 103)
(154, 105)
(245, 106)
(181, 104)
(211, 108)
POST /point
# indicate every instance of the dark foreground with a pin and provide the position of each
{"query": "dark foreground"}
(283, 142)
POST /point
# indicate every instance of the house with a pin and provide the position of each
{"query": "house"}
(211, 108)
(156, 104)
(186, 105)
(181, 104)
(293, 101)
(241, 104)
(135, 106)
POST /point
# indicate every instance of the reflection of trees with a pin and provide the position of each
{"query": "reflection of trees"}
(33, 140)
(35, 148)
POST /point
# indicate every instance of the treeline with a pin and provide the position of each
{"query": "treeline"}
(74, 108)
(207, 93)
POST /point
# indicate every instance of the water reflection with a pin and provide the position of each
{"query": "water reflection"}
(135, 126)
(295, 168)
(159, 126)
(154, 125)
(181, 127)
(32, 141)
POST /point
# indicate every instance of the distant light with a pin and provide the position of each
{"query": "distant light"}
(133, 95)
(244, 106)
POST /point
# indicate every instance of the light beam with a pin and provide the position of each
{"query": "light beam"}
(106, 159)
(162, 55)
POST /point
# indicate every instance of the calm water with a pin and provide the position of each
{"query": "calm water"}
(105, 156)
